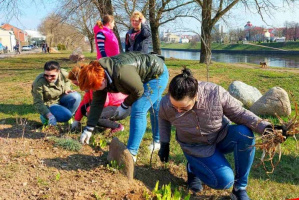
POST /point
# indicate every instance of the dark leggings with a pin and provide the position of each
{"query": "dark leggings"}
(104, 120)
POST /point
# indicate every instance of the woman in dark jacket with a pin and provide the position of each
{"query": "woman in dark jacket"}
(138, 38)
(143, 77)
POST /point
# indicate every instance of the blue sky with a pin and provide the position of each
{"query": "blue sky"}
(32, 17)
(31, 14)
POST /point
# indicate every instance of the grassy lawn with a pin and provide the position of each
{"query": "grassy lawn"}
(18, 73)
(292, 46)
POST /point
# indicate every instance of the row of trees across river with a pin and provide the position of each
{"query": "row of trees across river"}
(75, 18)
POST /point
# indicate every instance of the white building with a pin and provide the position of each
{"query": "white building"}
(280, 39)
(8, 39)
(35, 37)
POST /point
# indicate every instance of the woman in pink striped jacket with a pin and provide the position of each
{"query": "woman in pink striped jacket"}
(105, 40)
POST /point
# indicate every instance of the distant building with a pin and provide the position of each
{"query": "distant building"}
(279, 39)
(35, 37)
(20, 35)
(172, 38)
(7, 39)
(184, 40)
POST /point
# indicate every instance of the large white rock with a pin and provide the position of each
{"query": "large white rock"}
(276, 100)
(247, 94)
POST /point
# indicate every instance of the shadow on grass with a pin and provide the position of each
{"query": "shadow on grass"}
(77, 162)
(16, 131)
(12, 109)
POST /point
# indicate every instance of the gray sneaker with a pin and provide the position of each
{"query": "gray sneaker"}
(239, 195)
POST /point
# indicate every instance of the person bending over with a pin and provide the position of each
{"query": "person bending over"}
(113, 100)
(143, 77)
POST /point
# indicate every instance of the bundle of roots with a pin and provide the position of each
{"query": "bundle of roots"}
(271, 140)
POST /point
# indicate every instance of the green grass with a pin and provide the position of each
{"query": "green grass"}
(292, 46)
(17, 75)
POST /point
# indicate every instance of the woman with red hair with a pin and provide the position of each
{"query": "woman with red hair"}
(143, 77)
(112, 101)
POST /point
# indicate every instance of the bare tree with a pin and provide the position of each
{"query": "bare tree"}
(212, 11)
(82, 15)
(162, 12)
(59, 32)
(236, 35)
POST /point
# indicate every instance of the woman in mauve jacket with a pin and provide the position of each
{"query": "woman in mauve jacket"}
(200, 112)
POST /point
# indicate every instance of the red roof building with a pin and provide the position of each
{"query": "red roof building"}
(20, 35)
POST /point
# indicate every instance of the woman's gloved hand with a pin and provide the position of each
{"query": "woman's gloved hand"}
(86, 134)
(281, 128)
(164, 152)
(75, 125)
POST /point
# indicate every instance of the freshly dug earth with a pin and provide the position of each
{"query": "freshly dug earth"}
(31, 167)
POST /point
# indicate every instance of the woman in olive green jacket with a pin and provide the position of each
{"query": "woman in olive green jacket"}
(52, 95)
(143, 77)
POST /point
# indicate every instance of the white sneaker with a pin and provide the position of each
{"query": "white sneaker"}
(154, 146)
(134, 158)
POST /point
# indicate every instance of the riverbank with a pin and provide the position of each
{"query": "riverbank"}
(281, 47)
(267, 52)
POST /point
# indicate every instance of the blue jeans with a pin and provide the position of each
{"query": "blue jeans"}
(215, 171)
(67, 106)
(150, 101)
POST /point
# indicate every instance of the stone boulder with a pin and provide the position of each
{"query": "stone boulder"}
(276, 100)
(244, 93)
(76, 58)
(77, 55)
(119, 152)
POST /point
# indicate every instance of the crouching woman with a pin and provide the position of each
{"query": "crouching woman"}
(52, 95)
(200, 112)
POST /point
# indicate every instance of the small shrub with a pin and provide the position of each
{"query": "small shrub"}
(61, 47)
(67, 143)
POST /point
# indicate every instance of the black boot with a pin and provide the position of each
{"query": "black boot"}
(194, 182)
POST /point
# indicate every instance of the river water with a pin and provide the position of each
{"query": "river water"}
(276, 60)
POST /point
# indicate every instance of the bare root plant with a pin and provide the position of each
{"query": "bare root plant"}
(271, 140)
(22, 122)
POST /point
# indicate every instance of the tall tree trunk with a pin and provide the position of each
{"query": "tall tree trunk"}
(154, 27)
(105, 8)
(91, 42)
(156, 39)
(206, 29)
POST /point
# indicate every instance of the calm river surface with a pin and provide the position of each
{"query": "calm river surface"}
(276, 60)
